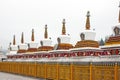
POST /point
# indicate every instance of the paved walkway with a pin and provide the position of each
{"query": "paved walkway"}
(9, 76)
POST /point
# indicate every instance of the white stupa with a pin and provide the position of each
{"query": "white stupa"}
(63, 39)
(87, 36)
(22, 47)
(32, 46)
(114, 39)
(116, 28)
(46, 42)
(13, 47)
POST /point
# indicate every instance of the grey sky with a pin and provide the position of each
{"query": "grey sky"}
(17, 16)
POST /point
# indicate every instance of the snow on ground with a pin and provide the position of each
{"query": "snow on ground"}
(9, 76)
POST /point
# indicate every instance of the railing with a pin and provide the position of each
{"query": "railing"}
(64, 71)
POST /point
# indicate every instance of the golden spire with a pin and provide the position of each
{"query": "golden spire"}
(46, 33)
(119, 13)
(63, 28)
(14, 42)
(32, 37)
(88, 21)
(22, 38)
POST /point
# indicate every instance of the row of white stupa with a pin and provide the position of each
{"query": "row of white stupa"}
(88, 35)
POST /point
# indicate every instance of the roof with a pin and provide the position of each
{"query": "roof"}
(85, 48)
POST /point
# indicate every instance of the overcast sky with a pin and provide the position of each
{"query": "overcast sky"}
(17, 16)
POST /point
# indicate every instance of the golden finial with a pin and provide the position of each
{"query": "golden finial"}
(45, 34)
(119, 13)
(22, 38)
(63, 28)
(14, 42)
(32, 37)
(88, 21)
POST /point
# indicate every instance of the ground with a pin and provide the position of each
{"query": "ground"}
(9, 76)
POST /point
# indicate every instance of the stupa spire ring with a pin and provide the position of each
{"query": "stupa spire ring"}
(32, 37)
(14, 41)
(22, 38)
(88, 21)
(63, 28)
(46, 33)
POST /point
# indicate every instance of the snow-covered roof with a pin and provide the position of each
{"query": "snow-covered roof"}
(59, 51)
(85, 48)
(112, 45)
